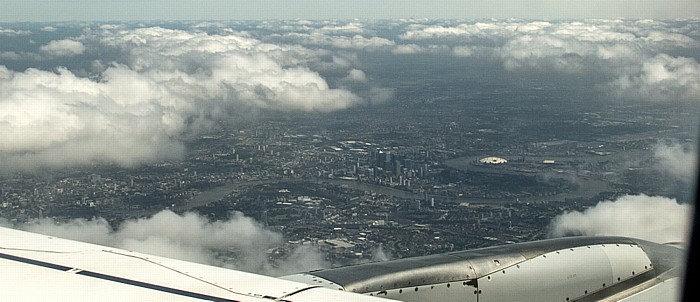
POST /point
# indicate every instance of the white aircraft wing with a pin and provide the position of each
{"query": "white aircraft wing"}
(35, 267)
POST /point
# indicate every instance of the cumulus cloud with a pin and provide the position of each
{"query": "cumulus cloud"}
(464, 30)
(462, 51)
(356, 75)
(662, 77)
(635, 58)
(348, 28)
(11, 55)
(329, 34)
(63, 48)
(233, 68)
(321, 39)
(58, 119)
(408, 49)
(162, 84)
(238, 243)
(13, 32)
(677, 160)
(652, 218)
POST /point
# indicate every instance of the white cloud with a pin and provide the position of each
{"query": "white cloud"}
(356, 75)
(10, 55)
(408, 49)
(653, 218)
(321, 39)
(462, 51)
(460, 31)
(58, 119)
(677, 160)
(63, 48)
(661, 78)
(631, 56)
(333, 34)
(348, 28)
(13, 32)
(239, 243)
(166, 84)
(48, 29)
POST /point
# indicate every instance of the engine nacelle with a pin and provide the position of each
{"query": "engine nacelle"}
(563, 269)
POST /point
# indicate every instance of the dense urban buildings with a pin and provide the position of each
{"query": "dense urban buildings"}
(353, 182)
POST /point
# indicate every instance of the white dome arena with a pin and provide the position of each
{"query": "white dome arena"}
(492, 160)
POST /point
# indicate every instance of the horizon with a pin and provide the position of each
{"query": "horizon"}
(410, 19)
(216, 10)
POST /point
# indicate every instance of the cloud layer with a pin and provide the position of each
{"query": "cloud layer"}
(128, 94)
(654, 218)
(634, 57)
(161, 85)
(239, 243)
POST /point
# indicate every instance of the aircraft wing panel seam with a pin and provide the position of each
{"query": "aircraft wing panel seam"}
(36, 251)
(172, 269)
(154, 286)
(296, 292)
(36, 262)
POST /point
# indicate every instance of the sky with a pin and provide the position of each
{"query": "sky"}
(108, 10)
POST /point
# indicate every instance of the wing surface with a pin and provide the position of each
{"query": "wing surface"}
(38, 267)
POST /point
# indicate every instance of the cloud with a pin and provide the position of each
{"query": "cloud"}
(11, 55)
(462, 51)
(677, 160)
(13, 32)
(159, 86)
(661, 78)
(654, 218)
(154, 86)
(322, 39)
(239, 242)
(48, 29)
(631, 59)
(356, 75)
(58, 119)
(63, 48)
(348, 28)
(231, 68)
(407, 49)
(460, 31)
(333, 34)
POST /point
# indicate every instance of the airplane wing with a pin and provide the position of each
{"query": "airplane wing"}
(37, 267)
